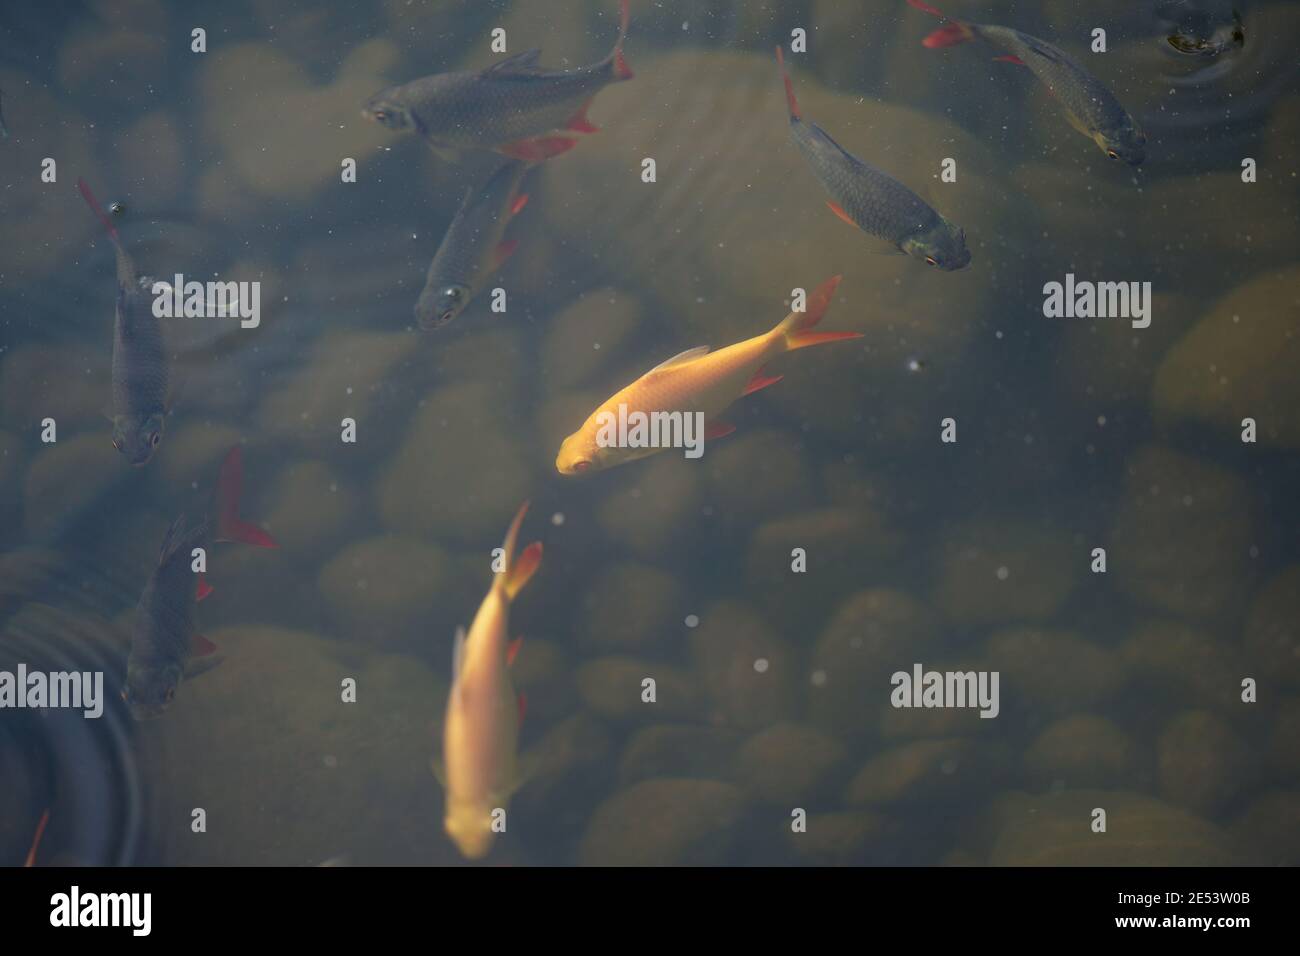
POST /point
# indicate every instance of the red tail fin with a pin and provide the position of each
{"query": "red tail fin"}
(926, 8)
(950, 34)
(36, 840)
(93, 203)
(796, 325)
(230, 527)
(621, 70)
(789, 87)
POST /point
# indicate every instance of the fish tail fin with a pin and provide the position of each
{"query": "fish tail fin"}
(951, 33)
(518, 572)
(790, 101)
(231, 527)
(619, 62)
(797, 325)
(36, 840)
(98, 210)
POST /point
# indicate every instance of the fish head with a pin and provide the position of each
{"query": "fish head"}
(1127, 142)
(387, 110)
(150, 690)
(440, 302)
(470, 827)
(579, 453)
(138, 436)
(943, 247)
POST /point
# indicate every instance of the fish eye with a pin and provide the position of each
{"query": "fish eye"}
(126, 696)
(931, 260)
(117, 444)
(447, 316)
(1112, 154)
(581, 465)
(381, 115)
(155, 438)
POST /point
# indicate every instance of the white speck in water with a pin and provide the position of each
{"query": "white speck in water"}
(760, 665)
(557, 519)
(818, 678)
(1101, 420)
(331, 761)
(334, 486)
(686, 24)
(692, 620)
(1003, 573)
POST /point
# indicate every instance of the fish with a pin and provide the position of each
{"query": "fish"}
(515, 107)
(141, 369)
(473, 247)
(699, 381)
(480, 767)
(36, 840)
(1201, 27)
(872, 200)
(1089, 106)
(166, 647)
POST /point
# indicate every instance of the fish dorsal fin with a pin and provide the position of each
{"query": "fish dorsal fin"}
(1041, 47)
(520, 63)
(681, 358)
(458, 654)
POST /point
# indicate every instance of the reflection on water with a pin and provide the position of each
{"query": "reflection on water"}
(1074, 503)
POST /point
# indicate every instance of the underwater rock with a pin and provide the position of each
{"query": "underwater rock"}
(12, 461)
(846, 838)
(1237, 363)
(1181, 536)
(1006, 570)
(1081, 751)
(1283, 750)
(612, 687)
(1203, 764)
(873, 634)
(788, 764)
(67, 385)
(384, 587)
(287, 772)
(1272, 636)
(126, 65)
(309, 503)
(751, 675)
(454, 418)
(754, 476)
(665, 822)
(841, 548)
(1055, 829)
(288, 152)
(342, 377)
(1184, 664)
(588, 335)
(573, 769)
(543, 673)
(655, 506)
(1053, 671)
(66, 478)
(677, 750)
(924, 771)
(1270, 827)
(631, 606)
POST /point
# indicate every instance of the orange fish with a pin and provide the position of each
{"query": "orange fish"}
(480, 768)
(696, 385)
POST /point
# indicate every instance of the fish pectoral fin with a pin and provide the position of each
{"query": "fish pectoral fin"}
(538, 149)
(761, 381)
(512, 651)
(202, 647)
(839, 211)
(202, 590)
(717, 429)
(503, 252)
(1010, 58)
(439, 771)
(201, 665)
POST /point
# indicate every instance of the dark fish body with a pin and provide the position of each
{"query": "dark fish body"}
(163, 641)
(510, 106)
(1089, 104)
(873, 200)
(472, 249)
(165, 646)
(141, 373)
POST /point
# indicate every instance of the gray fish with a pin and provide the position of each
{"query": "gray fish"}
(1090, 107)
(141, 370)
(512, 106)
(473, 249)
(871, 199)
(165, 647)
